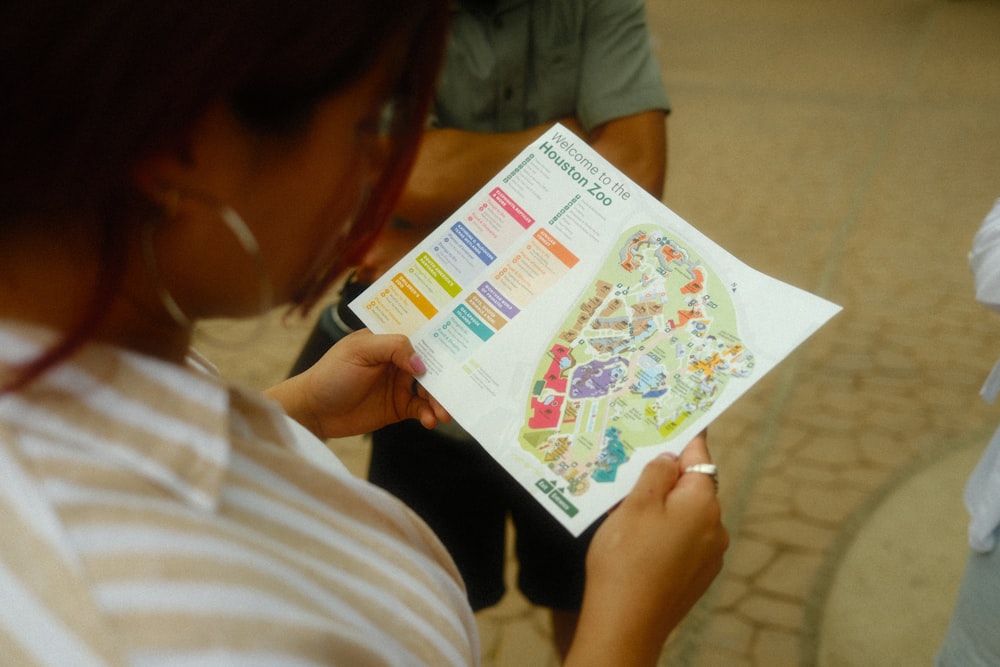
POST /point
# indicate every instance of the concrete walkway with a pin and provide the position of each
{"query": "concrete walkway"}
(851, 148)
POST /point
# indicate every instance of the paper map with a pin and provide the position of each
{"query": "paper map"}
(578, 328)
(652, 343)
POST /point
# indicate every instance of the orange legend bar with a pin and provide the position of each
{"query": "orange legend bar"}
(415, 296)
(560, 251)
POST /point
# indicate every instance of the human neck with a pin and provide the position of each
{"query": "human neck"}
(51, 282)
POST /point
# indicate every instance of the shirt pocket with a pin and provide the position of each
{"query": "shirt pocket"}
(557, 82)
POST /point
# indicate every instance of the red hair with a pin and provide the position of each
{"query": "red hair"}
(90, 88)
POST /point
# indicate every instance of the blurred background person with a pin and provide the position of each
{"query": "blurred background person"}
(972, 638)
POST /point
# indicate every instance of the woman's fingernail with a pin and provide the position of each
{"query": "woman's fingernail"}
(418, 365)
(669, 455)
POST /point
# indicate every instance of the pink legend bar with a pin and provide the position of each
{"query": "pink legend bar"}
(515, 211)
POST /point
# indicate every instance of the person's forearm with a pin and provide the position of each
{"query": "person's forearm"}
(453, 164)
(635, 639)
(637, 146)
(599, 649)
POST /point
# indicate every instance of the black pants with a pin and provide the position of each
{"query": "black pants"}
(466, 497)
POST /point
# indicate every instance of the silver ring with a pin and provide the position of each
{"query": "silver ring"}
(709, 469)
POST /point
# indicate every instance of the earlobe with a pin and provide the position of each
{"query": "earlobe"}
(155, 177)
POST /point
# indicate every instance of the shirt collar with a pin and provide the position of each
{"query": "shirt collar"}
(167, 423)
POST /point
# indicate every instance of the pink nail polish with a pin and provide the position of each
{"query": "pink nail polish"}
(418, 365)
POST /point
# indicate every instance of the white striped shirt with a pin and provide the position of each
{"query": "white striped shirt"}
(151, 515)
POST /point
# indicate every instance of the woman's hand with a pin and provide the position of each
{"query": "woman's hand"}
(361, 384)
(650, 561)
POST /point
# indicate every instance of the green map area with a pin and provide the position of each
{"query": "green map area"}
(652, 344)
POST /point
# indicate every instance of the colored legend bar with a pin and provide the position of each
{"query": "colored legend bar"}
(512, 208)
(414, 295)
(439, 275)
(560, 251)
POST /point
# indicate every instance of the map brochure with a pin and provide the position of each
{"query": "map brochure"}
(577, 327)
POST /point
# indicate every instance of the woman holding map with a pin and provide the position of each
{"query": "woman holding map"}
(512, 68)
(168, 162)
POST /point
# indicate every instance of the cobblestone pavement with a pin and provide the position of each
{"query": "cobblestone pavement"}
(851, 148)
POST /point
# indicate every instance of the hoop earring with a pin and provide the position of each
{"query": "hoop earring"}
(328, 263)
(239, 229)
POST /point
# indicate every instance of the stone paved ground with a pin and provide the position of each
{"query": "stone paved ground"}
(850, 147)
